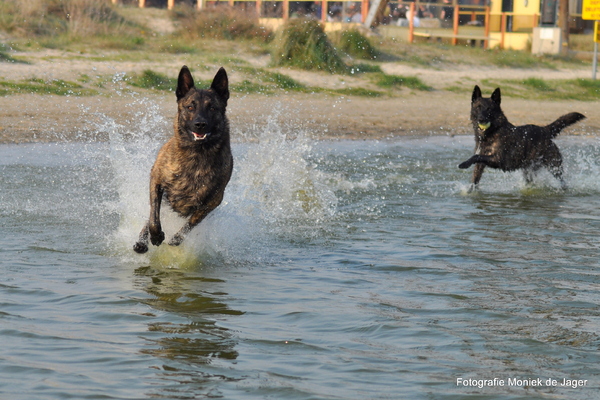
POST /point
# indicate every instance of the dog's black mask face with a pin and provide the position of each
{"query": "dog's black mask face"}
(484, 111)
(201, 116)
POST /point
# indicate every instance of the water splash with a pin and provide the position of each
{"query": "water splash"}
(132, 149)
(274, 191)
(278, 184)
(581, 172)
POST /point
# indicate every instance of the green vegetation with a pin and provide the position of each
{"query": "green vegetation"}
(55, 86)
(285, 82)
(359, 91)
(98, 32)
(153, 80)
(590, 88)
(538, 89)
(304, 44)
(355, 44)
(538, 84)
(221, 22)
(395, 81)
(72, 18)
(4, 57)
(273, 80)
(518, 59)
(265, 82)
(364, 68)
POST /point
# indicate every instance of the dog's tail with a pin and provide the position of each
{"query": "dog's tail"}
(562, 122)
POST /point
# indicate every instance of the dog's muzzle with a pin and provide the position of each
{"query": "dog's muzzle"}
(200, 136)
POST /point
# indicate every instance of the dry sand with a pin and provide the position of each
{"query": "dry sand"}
(31, 117)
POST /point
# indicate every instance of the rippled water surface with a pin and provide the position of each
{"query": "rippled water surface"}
(333, 270)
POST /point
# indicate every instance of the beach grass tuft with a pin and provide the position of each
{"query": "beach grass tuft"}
(304, 44)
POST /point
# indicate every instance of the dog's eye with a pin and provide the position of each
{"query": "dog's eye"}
(190, 107)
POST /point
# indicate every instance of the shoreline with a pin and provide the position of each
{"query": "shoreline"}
(27, 118)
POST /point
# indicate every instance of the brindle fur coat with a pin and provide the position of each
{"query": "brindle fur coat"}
(193, 168)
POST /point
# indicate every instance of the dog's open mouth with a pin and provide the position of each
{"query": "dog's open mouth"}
(200, 136)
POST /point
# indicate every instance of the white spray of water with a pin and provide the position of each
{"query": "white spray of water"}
(274, 191)
(581, 172)
(276, 183)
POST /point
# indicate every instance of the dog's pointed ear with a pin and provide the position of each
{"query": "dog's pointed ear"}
(476, 94)
(220, 85)
(496, 96)
(185, 82)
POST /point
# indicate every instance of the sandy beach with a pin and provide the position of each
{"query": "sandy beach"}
(34, 117)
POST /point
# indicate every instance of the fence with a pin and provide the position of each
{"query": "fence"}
(423, 19)
(325, 10)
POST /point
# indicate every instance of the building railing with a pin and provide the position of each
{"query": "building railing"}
(423, 19)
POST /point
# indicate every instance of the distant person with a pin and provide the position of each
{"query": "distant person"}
(356, 17)
(424, 12)
(415, 18)
(354, 14)
(334, 16)
(447, 15)
(335, 13)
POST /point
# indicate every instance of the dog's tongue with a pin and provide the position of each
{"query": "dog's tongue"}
(198, 136)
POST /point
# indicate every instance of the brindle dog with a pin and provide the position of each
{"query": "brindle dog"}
(193, 168)
(500, 144)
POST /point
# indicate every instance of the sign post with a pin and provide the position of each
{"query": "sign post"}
(596, 40)
(590, 9)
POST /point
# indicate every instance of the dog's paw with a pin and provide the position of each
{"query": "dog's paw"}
(176, 240)
(464, 165)
(158, 238)
(140, 247)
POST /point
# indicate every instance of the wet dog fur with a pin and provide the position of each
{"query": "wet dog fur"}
(193, 168)
(499, 144)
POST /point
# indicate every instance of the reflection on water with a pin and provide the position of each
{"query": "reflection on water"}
(199, 339)
(332, 270)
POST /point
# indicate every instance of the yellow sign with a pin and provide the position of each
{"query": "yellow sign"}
(590, 9)
(596, 32)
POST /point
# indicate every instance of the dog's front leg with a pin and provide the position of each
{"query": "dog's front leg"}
(490, 161)
(469, 162)
(157, 236)
(477, 173)
(142, 244)
(194, 220)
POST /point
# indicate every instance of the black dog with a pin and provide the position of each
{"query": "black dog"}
(193, 168)
(500, 144)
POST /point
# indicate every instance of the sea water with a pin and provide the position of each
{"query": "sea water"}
(332, 270)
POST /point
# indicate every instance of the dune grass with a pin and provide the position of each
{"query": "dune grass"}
(542, 89)
(96, 30)
(538, 84)
(355, 44)
(219, 22)
(72, 18)
(149, 79)
(263, 81)
(304, 44)
(396, 81)
(40, 86)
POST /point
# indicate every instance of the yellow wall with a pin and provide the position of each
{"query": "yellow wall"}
(515, 41)
(532, 7)
(523, 15)
(519, 7)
